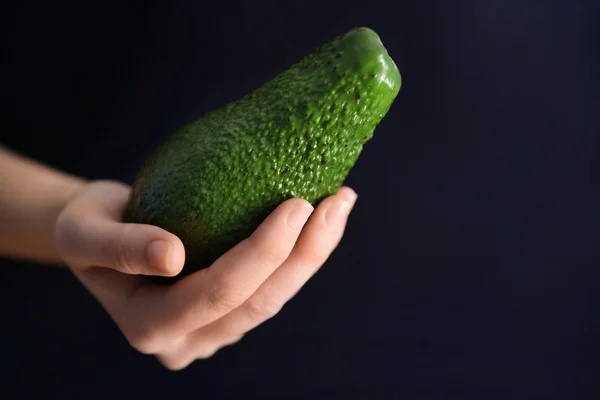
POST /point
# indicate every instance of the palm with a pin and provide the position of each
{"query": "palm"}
(208, 309)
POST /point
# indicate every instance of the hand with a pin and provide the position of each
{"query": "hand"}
(209, 309)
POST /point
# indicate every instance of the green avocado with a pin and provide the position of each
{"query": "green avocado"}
(214, 180)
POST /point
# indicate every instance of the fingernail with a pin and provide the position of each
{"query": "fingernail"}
(351, 198)
(298, 216)
(159, 255)
(338, 210)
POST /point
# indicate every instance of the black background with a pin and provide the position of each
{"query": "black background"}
(471, 266)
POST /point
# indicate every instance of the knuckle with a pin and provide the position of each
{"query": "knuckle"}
(144, 345)
(263, 307)
(313, 256)
(234, 340)
(123, 252)
(179, 362)
(207, 352)
(275, 254)
(223, 297)
(173, 364)
(269, 251)
(145, 341)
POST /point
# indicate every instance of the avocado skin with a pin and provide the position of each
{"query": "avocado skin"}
(215, 180)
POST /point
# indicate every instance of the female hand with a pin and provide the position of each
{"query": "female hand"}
(209, 309)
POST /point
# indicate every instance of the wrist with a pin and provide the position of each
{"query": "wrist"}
(32, 196)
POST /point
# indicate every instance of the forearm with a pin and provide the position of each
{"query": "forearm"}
(31, 198)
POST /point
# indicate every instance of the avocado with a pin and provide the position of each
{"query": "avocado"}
(214, 180)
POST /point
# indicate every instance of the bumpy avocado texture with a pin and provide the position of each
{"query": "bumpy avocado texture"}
(214, 180)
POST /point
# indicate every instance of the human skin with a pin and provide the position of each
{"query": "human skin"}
(51, 217)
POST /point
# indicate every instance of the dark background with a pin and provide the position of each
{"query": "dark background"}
(471, 266)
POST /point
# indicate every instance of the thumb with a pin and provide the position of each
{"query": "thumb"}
(136, 249)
